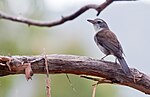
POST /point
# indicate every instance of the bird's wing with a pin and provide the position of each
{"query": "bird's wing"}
(109, 41)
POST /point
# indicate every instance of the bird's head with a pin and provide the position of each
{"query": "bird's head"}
(98, 24)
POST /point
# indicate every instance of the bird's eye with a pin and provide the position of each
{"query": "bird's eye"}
(98, 22)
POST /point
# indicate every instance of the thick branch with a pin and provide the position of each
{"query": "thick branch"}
(64, 19)
(78, 65)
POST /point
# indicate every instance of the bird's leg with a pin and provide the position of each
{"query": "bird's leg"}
(102, 59)
(116, 61)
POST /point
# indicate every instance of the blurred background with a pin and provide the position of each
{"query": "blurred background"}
(130, 21)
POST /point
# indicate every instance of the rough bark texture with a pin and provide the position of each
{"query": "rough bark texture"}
(78, 65)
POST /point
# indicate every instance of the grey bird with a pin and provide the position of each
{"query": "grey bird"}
(108, 43)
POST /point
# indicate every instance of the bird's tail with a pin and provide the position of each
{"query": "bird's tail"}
(124, 65)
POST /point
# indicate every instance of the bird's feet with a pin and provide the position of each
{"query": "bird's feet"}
(102, 59)
(116, 61)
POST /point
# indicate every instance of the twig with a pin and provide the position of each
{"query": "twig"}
(94, 90)
(63, 19)
(48, 87)
(71, 85)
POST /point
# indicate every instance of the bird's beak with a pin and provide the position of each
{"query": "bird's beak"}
(91, 21)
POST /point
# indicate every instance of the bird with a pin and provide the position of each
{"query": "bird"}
(108, 43)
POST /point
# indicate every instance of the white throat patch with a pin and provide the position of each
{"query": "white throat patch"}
(98, 28)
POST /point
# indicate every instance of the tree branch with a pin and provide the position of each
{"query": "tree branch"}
(63, 19)
(78, 65)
